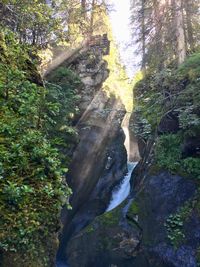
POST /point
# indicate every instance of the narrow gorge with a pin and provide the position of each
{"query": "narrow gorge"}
(99, 162)
(99, 133)
(120, 208)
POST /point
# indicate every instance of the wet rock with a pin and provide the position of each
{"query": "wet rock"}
(105, 242)
(183, 256)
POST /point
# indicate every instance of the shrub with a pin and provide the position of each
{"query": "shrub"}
(168, 152)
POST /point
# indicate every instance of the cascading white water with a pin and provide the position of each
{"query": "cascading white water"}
(127, 141)
(121, 193)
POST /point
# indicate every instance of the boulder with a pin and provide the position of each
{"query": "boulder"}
(164, 194)
(105, 242)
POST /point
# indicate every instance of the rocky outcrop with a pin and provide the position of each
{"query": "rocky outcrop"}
(111, 240)
(145, 231)
(99, 159)
(163, 195)
(136, 234)
(93, 71)
(131, 142)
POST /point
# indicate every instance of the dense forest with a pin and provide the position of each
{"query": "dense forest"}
(42, 105)
(167, 98)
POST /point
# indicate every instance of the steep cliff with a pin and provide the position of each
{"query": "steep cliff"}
(166, 187)
(99, 156)
(159, 223)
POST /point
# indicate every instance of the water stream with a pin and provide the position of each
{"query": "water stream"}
(122, 192)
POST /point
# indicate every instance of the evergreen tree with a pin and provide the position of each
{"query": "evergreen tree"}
(166, 30)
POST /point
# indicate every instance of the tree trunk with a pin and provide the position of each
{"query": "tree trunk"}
(180, 36)
(143, 35)
(190, 33)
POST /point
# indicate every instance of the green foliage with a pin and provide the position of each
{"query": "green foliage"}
(175, 224)
(141, 125)
(174, 227)
(172, 91)
(150, 101)
(192, 167)
(39, 22)
(168, 152)
(32, 187)
(34, 22)
(168, 155)
(191, 67)
(175, 93)
(63, 97)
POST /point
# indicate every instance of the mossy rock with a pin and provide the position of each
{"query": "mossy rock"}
(110, 235)
(133, 209)
(110, 218)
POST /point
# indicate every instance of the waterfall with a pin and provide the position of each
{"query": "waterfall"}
(127, 140)
(125, 127)
(121, 193)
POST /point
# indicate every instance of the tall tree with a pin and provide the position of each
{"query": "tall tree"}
(143, 36)
(166, 30)
(179, 27)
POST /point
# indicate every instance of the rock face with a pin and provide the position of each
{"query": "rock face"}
(135, 233)
(99, 159)
(92, 70)
(142, 231)
(164, 194)
(111, 240)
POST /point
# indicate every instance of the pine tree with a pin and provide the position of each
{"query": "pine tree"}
(166, 30)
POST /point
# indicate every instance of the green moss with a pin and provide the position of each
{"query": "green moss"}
(154, 169)
(134, 209)
(89, 229)
(32, 187)
(110, 218)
